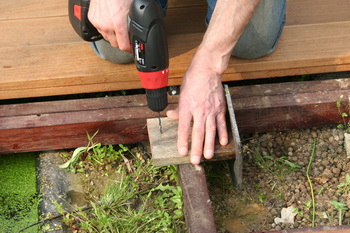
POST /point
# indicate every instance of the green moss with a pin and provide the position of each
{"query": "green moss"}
(18, 194)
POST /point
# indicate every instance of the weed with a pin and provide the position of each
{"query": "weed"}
(346, 122)
(345, 187)
(261, 197)
(298, 212)
(308, 205)
(278, 166)
(340, 207)
(320, 190)
(70, 164)
(140, 198)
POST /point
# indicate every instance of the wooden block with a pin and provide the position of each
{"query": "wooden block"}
(164, 146)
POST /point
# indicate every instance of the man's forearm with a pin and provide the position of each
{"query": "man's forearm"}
(228, 21)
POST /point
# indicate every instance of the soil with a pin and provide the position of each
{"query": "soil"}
(275, 168)
(274, 177)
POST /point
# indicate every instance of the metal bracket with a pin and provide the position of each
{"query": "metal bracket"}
(236, 167)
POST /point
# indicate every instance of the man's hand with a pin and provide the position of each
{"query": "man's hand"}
(201, 100)
(110, 18)
(202, 97)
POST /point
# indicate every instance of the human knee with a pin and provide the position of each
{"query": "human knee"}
(262, 33)
(105, 51)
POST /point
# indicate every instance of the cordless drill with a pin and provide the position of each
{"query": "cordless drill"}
(148, 40)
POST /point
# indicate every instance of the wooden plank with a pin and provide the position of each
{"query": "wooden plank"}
(56, 137)
(298, 11)
(186, 20)
(53, 30)
(61, 69)
(164, 145)
(258, 108)
(57, 30)
(198, 211)
(24, 9)
(316, 11)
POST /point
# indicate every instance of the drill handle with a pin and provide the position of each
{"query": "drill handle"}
(78, 17)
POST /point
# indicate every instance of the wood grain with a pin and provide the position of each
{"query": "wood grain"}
(259, 108)
(62, 70)
(49, 59)
(197, 205)
(316, 11)
(164, 145)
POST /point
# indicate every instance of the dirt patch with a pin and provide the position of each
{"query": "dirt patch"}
(275, 177)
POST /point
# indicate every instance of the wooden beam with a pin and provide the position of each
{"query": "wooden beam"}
(198, 211)
(164, 145)
(258, 108)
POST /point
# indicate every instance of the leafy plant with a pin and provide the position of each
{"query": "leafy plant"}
(70, 164)
(346, 123)
(261, 197)
(340, 207)
(345, 187)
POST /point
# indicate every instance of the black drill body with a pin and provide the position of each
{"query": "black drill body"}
(148, 40)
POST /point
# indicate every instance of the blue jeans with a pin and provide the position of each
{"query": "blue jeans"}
(258, 39)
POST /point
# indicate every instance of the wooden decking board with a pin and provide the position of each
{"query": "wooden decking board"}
(26, 9)
(62, 66)
(40, 54)
(316, 11)
(298, 11)
(43, 31)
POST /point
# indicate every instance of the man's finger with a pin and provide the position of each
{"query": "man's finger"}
(222, 128)
(197, 139)
(110, 37)
(123, 39)
(183, 132)
(173, 114)
(210, 132)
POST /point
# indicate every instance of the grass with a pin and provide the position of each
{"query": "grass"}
(280, 167)
(138, 198)
(310, 183)
(18, 194)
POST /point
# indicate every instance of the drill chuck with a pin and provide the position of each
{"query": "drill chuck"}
(157, 99)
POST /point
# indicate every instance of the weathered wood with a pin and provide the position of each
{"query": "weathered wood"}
(258, 108)
(198, 212)
(164, 145)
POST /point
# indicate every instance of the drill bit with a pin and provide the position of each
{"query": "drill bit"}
(160, 124)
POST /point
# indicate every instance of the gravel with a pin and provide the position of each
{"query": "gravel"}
(274, 185)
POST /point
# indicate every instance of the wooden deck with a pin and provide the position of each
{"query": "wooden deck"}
(40, 55)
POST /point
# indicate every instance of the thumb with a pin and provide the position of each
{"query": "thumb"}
(173, 114)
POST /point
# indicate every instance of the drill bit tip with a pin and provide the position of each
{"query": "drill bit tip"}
(160, 124)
